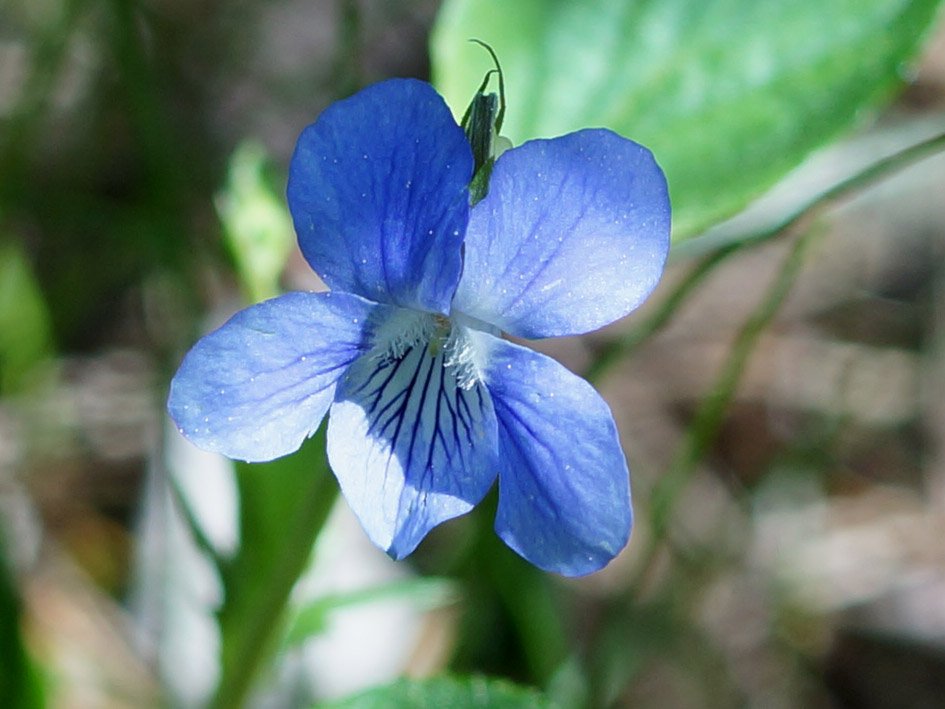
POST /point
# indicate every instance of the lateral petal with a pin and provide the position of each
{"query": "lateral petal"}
(573, 234)
(378, 193)
(410, 445)
(259, 385)
(564, 486)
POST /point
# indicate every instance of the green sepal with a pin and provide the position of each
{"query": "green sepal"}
(482, 122)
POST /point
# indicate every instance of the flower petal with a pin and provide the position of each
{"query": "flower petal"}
(564, 487)
(572, 235)
(378, 193)
(258, 386)
(411, 447)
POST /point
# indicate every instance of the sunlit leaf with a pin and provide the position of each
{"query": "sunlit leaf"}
(729, 94)
(256, 222)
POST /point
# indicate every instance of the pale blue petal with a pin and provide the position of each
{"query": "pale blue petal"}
(378, 193)
(258, 386)
(564, 486)
(573, 235)
(410, 447)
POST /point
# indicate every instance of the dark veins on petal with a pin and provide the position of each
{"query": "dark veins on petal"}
(405, 397)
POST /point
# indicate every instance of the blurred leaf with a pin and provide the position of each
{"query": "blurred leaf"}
(255, 222)
(20, 684)
(729, 95)
(283, 505)
(440, 692)
(312, 618)
(25, 333)
(569, 684)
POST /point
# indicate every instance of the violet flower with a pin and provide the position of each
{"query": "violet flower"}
(428, 403)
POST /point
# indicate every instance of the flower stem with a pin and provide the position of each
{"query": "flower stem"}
(711, 412)
(615, 350)
(258, 583)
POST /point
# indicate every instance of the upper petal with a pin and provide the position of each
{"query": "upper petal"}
(259, 385)
(564, 486)
(572, 235)
(378, 193)
(410, 444)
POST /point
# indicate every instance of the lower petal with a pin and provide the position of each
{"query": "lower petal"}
(261, 384)
(412, 444)
(564, 486)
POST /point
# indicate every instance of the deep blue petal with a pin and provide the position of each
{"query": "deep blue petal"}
(564, 487)
(377, 191)
(258, 386)
(411, 447)
(572, 235)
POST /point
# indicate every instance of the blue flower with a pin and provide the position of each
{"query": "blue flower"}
(428, 403)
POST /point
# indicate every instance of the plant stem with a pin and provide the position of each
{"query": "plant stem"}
(248, 648)
(710, 414)
(613, 351)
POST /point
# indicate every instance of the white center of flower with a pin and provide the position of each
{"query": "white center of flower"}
(441, 336)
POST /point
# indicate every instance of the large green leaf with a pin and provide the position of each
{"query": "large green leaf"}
(729, 94)
(440, 692)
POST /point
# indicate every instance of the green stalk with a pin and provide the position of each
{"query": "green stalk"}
(612, 352)
(251, 637)
(711, 412)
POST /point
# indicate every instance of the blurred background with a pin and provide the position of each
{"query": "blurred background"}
(784, 422)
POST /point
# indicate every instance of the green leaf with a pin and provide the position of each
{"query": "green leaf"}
(440, 692)
(312, 618)
(283, 506)
(255, 222)
(729, 94)
(25, 332)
